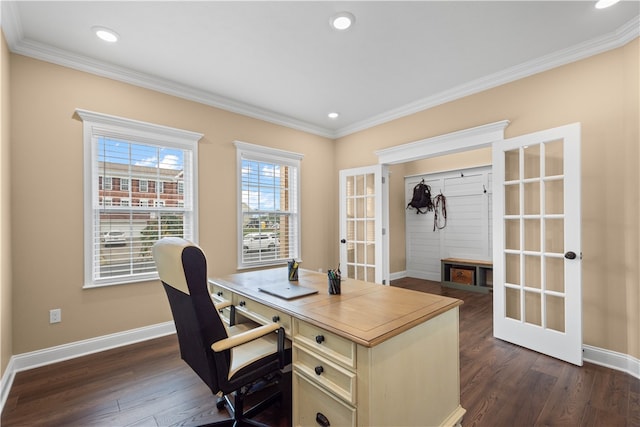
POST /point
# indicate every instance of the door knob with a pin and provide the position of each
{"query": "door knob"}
(570, 255)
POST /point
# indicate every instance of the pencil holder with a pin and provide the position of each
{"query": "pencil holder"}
(334, 285)
(292, 270)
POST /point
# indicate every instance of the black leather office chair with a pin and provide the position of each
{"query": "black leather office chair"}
(230, 360)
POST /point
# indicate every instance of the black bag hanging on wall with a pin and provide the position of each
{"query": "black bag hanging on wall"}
(421, 198)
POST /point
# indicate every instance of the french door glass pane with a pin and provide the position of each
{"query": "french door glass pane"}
(512, 199)
(533, 308)
(512, 269)
(532, 198)
(555, 313)
(512, 303)
(554, 274)
(553, 158)
(554, 232)
(532, 162)
(532, 268)
(554, 197)
(512, 165)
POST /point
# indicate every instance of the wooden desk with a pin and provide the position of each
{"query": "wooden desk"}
(374, 355)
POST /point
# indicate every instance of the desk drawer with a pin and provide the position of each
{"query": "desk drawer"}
(325, 343)
(220, 294)
(261, 313)
(335, 379)
(316, 407)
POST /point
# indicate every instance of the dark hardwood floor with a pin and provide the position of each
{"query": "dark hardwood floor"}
(146, 384)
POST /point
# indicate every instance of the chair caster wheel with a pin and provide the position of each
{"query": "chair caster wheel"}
(220, 404)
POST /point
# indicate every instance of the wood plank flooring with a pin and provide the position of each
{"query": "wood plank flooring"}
(146, 384)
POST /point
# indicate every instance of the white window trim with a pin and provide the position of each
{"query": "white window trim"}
(121, 128)
(258, 152)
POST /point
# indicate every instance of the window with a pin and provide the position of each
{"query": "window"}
(108, 183)
(269, 205)
(119, 234)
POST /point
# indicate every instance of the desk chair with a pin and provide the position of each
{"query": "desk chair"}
(230, 360)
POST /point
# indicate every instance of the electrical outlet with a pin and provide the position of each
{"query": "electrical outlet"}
(55, 315)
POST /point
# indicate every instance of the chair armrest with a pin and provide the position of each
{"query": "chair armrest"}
(221, 305)
(244, 337)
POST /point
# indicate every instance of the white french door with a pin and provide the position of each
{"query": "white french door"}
(364, 223)
(537, 289)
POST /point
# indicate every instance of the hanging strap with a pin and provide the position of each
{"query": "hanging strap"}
(440, 205)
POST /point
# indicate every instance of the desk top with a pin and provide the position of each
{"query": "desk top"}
(365, 313)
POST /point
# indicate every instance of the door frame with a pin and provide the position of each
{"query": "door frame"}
(455, 142)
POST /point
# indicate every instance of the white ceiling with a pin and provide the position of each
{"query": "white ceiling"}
(281, 61)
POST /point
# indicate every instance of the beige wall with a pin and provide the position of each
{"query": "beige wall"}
(6, 335)
(47, 202)
(46, 148)
(600, 92)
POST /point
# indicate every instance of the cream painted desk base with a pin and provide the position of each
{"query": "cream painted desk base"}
(411, 377)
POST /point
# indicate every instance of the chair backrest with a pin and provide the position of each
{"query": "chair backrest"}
(182, 268)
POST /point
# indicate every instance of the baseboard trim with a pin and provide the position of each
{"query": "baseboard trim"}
(435, 277)
(47, 356)
(611, 359)
(397, 275)
(6, 382)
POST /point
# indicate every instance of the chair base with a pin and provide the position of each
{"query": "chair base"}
(234, 403)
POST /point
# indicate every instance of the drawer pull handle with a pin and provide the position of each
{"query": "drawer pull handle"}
(322, 420)
(219, 293)
(319, 370)
(319, 339)
(276, 318)
(242, 303)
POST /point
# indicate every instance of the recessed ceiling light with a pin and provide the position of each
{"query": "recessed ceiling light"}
(106, 34)
(342, 21)
(602, 4)
(333, 115)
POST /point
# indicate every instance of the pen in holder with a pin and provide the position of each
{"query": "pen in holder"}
(292, 269)
(334, 282)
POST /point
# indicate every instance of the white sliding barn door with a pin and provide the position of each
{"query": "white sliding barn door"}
(537, 245)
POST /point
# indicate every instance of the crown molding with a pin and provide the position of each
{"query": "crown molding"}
(82, 63)
(618, 38)
(18, 44)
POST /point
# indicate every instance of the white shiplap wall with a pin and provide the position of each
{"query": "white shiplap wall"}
(467, 233)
